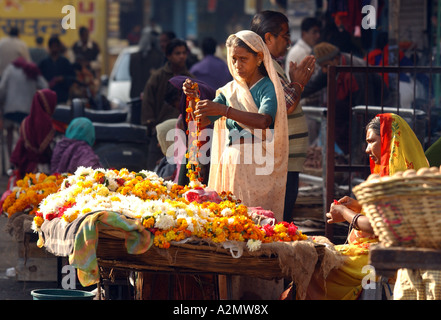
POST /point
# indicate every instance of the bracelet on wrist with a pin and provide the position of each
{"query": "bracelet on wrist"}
(354, 221)
(302, 87)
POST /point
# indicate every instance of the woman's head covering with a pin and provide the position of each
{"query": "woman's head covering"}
(36, 133)
(29, 68)
(325, 51)
(400, 148)
(81, 128)
(245, 100)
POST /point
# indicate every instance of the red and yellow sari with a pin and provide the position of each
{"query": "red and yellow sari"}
(400, 151)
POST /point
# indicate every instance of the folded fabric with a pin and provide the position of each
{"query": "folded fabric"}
(138, 240)
(58, 237)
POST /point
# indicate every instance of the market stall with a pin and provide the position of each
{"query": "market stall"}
(105, 219)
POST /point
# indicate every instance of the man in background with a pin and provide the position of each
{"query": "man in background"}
(310, 35)
(89, 50)
(154, 107)
(57, 70)
(11, 48)
(212, 70)
(39, 52)
(148, 58)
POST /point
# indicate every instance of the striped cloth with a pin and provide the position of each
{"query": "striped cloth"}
(298, 139)
(297, 125)
(138, 240)
(58, 237)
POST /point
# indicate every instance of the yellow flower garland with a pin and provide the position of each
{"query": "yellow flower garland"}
(29, 192)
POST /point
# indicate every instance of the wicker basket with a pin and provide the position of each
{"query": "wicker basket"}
(404, 209)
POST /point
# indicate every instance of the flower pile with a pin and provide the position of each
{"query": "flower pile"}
(30, 191)
(162, 206)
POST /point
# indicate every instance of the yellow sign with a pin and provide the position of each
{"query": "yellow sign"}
(44, 18)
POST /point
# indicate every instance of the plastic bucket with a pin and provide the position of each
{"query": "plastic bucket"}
(61, 294)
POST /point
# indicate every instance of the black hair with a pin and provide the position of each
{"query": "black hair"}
(13, 32)
(309, 23)
(237, 42)
(39, 40)
(53, 40)
(83, 30)
(375, 125)
(170, 34)
(172, 94)
(209, 46)
(268, 21)
(173, 44)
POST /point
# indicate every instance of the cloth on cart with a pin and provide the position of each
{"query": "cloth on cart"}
(137, 240)
(58, 237)
(79, 240)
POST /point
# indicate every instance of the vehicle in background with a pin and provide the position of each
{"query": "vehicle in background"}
(119, 81)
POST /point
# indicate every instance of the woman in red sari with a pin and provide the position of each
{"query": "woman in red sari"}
(33, 152)
(392, 146)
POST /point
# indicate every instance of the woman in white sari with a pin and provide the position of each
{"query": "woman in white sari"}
(249, 152)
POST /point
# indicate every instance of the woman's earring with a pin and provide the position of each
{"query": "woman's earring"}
(259, 63)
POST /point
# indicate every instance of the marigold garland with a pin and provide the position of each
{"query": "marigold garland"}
(192, 155)
(30, 191)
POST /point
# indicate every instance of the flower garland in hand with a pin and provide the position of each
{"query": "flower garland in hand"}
(192, 155)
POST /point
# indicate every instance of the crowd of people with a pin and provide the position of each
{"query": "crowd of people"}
(250, 101)
(33, 81)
